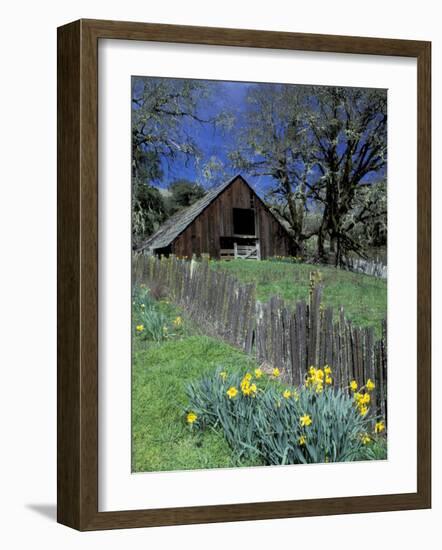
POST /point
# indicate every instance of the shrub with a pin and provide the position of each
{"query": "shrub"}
(149, 322)
(141, 296)
(285, 425)
(154, 324)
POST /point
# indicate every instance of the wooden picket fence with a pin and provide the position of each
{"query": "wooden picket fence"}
(290, 338)
(369, 267)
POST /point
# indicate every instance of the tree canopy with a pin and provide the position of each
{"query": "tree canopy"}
(183, 193)
(321, 151)
(320, 146)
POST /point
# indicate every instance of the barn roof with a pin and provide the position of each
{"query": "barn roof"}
(177, 223)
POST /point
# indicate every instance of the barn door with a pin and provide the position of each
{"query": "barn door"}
(247, 251)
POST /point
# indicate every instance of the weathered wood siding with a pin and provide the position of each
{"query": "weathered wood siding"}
(203, 234)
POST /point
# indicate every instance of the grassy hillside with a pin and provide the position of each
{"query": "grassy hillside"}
(363, 297)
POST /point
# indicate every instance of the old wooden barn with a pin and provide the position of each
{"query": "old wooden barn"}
(230, 221)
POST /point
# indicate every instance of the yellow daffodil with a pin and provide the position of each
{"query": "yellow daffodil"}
(379, 427)
(315, 379)
(139, 328)
(287, 394)
(258, 373)
(191, 417)
(365, 399)
(370, 385)
(358, 397)
(276, 372)
(223, 375)
(365, 438)
(232, 392)
(302, 440)
(363, 410)
(246, 387)
(177, 322)
(353, 385)
(305, 420)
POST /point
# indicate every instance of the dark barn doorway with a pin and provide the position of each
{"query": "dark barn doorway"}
(244, 221)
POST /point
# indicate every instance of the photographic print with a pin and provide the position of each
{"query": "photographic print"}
(259, 274)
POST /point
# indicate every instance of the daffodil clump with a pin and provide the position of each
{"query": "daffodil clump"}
(260, 416)
(318, 378)
(149, 320)
(248, 387)
(362, 396)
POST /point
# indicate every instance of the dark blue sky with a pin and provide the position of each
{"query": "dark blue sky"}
(213, 140)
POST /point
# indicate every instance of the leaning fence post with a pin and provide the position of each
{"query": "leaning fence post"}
(192, 265)
(315, 294)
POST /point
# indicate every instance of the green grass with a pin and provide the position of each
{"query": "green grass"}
(161, 439)
(363, 297)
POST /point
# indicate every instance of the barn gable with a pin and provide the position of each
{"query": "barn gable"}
(225, 217)
(177, 223)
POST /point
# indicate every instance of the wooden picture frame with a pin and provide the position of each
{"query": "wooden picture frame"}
(77, 462)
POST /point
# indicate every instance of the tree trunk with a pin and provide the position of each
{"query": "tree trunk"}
(320, 245)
